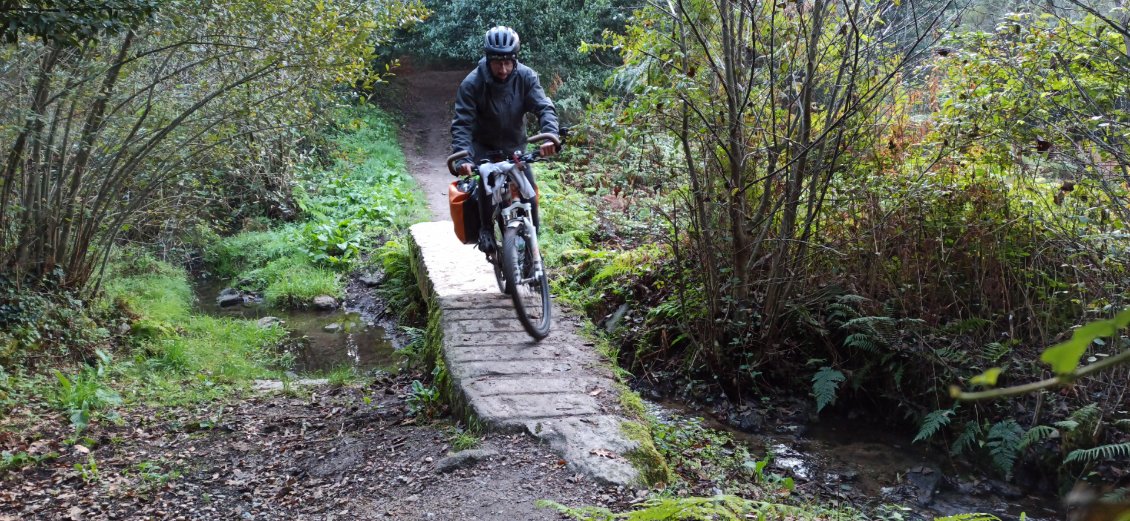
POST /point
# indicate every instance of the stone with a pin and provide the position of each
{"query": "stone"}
(227, 300)
(325, 303)
(925, 480)
(268, 322)
(557, 390)
(332, 328)
(463, 459)
(372, 279)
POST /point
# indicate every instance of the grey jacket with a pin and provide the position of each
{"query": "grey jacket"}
(489, 114)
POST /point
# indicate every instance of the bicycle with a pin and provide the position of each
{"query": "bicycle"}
(518, 267)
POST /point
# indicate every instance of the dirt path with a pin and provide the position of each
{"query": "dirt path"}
(311, 453)
(426, 137)
(321, 453)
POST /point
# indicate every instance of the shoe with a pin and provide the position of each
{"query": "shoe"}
(486, 244)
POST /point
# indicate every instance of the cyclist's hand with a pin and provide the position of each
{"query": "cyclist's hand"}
(463, 169)
(547, 149)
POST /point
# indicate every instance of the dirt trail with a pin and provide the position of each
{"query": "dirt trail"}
(426, 137)
(319, 453)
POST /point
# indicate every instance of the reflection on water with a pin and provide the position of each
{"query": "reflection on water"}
(320, 341)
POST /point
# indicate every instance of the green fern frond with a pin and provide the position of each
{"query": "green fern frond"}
(1086, 415)
(863, 342)
(995, 351)
(838, 314)
(1004, 444)
(825, 383)
(933, 423)
(966, 439)
(870, 323)
(954, 355)
(1036, 434)
(851, 299)
(630, 262)
(969, 517)
(1067, 425)
(1118, 495)
(1100, 453)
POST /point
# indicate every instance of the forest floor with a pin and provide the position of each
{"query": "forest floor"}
(325, 452)
(302, 452)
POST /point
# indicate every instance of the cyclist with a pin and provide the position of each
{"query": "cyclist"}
(490, 108)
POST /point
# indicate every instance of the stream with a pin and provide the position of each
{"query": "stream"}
(860, 462)
(319, 341)
(839, 458)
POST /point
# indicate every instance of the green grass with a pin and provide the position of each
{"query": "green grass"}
(367, 194)
(178, 356)
(294, 281)
(231, 256)
(568, 222)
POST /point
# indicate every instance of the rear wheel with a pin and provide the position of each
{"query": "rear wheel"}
(529, 292)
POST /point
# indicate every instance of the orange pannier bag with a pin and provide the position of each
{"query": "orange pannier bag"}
(463, 201)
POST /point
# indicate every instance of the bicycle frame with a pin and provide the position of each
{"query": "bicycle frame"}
(511, 218)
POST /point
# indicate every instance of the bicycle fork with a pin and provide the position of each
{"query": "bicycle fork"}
(532, 241)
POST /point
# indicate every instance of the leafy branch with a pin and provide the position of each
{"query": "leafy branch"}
(1064, 360)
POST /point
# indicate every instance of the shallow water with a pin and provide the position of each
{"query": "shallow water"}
(870, 464)
(314, 343)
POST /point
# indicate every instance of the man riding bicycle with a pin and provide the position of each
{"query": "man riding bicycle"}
(489, 115)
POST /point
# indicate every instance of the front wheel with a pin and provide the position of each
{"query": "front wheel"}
(529, 291)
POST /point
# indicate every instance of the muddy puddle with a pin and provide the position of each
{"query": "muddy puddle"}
(873, 465)
(320, 341)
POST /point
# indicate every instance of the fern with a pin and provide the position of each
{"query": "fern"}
(825, 383)
(1067, 425)
(995, 351)
(969, 517)
(851, 299)
(1087, 415)
(1118, 495)
(631, 262)
(1004, 444)
(933, 423)
(954, 355)
(1036, 434)
(1100, 453)
(862, 341)
(839, 313)
(966, 439)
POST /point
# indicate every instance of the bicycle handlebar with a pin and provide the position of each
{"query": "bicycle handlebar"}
(545, 136)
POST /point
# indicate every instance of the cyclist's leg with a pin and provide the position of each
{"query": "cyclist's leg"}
(486, 220)
(533, 204)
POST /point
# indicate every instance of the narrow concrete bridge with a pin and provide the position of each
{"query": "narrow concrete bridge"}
(557, 390)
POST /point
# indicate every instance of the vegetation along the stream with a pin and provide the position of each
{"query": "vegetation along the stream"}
(907, 216)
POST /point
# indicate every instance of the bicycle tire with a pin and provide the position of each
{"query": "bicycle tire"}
(503, 285)
(531, 299)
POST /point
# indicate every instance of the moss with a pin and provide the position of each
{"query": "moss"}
(631, 402)
(645, 457)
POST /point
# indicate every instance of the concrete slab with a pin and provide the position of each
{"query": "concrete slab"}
(534, 406)
(555, 389)
(520, 384)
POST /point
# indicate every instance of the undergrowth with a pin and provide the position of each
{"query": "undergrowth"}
(366, 195)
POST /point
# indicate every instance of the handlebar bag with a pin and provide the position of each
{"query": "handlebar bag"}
(463, 201)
